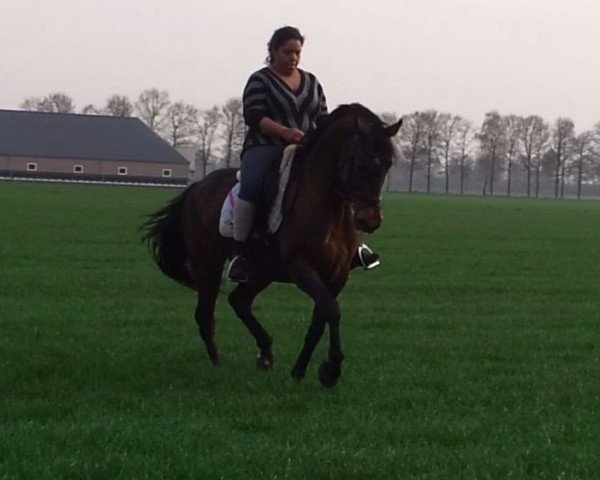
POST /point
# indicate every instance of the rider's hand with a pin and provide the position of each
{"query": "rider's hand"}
(293, 135)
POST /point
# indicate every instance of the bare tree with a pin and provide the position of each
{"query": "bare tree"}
(465, 139)
(513, 126)
(207, 123)
(540, 143)
(595, 153)
(118, 106)
(448, 125)
(233, 130)
(432, 138)
(180, 123)
(31, 103)
(566, 167)
(90, 110)
(152, 106)
(583, 145)
(55, 102)
(58, 102)
(390, 118)
(531, 129)
(412, 134)
(491, 139)
(562, 135)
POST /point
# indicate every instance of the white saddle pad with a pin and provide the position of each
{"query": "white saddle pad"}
(275, 214)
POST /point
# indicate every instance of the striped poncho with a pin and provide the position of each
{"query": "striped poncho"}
(266, 95)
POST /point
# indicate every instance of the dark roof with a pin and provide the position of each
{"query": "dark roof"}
(94, 137)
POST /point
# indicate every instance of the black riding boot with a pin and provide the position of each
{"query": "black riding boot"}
(239, 267)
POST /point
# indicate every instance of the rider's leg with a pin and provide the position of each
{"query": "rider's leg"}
(243, 219)
(254, 165)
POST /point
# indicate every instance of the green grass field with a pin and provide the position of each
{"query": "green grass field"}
(472, 353)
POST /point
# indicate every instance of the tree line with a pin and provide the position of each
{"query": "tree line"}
(438, 151)
(507, 154)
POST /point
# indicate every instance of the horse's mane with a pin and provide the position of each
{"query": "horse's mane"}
(353, 109)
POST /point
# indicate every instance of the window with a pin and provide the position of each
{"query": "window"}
(166, 172)
(77, 168)
(122, 171)
(31, 167)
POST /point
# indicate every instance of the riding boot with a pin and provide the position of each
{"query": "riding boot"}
(368, 258)
(238, 267)
(243, 219)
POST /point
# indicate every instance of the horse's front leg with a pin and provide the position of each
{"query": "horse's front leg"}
(331, 369)
(241, 300)
(326, 311)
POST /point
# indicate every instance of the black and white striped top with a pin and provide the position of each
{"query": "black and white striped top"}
(266, 95)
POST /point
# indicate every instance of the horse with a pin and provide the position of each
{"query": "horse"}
(333, 197)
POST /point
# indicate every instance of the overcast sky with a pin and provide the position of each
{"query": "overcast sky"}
(465, 57)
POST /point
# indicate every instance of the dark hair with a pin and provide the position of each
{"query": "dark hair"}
(279, 37)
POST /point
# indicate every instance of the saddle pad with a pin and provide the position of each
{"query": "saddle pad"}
(275, 214)
(226, 218)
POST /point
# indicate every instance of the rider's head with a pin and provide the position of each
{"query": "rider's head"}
(280, 37)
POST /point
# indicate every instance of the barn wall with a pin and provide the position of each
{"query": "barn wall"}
(92, 169)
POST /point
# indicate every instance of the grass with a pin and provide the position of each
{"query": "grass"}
(472, 353)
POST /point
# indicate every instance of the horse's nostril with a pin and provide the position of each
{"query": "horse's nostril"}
(365, 226)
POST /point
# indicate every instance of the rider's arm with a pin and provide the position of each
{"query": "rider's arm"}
(255, 113)
(271, 128)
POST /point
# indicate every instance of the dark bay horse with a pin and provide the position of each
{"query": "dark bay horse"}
(334, 196)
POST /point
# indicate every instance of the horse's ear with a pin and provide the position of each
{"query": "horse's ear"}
(393, 129)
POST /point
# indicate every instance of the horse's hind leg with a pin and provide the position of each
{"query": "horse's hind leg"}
(241, 299)
(207, 290)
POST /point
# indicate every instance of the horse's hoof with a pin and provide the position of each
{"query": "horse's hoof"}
(298, 375)
(264, 364)
(327, 378)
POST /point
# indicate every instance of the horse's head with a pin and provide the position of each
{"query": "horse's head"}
(364, 157)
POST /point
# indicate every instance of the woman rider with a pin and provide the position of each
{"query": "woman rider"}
(281, 102)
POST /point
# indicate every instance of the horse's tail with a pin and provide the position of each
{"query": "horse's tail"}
(164, 236)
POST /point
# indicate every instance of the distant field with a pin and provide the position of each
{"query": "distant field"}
(472, 353)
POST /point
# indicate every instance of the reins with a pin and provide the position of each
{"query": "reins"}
(342, 186)
(347, 181)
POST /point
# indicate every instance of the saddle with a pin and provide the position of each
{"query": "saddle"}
(277, 197)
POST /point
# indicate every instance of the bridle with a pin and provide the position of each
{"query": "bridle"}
(347, 172)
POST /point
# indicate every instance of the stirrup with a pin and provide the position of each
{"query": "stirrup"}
(368, 258)
(238, 269)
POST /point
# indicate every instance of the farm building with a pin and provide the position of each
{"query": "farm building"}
(86, 147)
